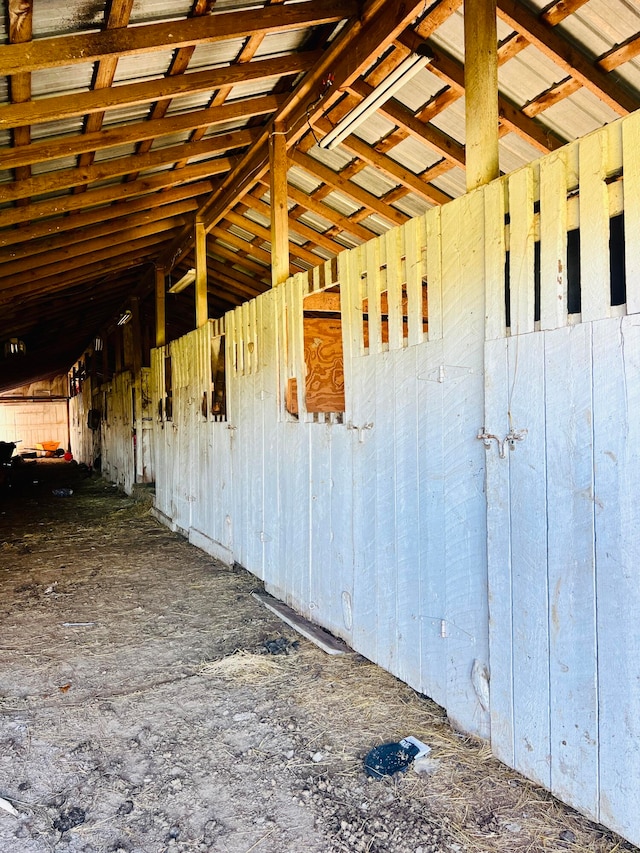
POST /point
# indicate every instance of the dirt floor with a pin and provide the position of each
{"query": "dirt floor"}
(149, 704)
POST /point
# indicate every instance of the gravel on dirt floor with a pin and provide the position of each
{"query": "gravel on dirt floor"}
(149, 704)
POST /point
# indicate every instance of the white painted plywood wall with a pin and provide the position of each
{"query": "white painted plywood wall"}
(394, 527)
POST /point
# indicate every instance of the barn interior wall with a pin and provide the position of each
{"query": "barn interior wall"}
(468, 522)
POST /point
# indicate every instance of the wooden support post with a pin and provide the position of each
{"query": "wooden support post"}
(202, 309)
(481, 91)
(279, 209)
(136, 337)
(105, 356)
(161, 334)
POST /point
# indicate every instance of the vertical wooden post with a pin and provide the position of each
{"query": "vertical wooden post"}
(161, 333)
(202, 309)
(105, 356)
(481, 91)
(279, 210)
(136, 337)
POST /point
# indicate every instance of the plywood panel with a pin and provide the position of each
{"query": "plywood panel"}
(324, 362)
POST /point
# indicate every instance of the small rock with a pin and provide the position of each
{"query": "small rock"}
(567, 835)
(512, 827)
(317, 757)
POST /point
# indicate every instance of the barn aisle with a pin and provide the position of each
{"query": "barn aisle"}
(149, 703)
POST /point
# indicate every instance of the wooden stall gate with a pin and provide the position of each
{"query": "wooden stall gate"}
(562, 399)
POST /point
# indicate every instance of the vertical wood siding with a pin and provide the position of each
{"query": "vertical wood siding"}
(390, 523)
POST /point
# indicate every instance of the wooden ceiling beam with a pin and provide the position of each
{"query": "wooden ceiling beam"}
(568, 57)
(349, 55)
(93, 270)
(104, 227)
(621, 53)
(361, 196)
(344, 223)
(104, 195)
(253, 227)
(255, 270)
(561, 9)
(57, 108)
(452, 72)
(67, 146)
(57, 260)
(21, 32)
(297, 227)
(64, 179)
(171, 35)
(436, 139)
(118, 14)
(186, 195)
(247, 286)
(391, 168)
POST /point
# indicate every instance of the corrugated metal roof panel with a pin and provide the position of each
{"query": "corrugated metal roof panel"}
(302, 180)
(196, 101)
(412, 205)
(376, 224)
(274, 44)
(414, 155)
(373, 182)
(453, 182)
(578, 114)
(215, 54)
(55, 129)
(68, 79)
(53, 166)
(452, 120)
(114, 153)
(341, 203)
(515, 152)
(254, 87)
(57, 17)
(159, 10)
(528, 74)
(141, 67)
(124, 115)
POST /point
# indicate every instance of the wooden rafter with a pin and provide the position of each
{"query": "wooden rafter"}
(128, 41)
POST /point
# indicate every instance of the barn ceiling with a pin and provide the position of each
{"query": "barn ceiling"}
(121, 121)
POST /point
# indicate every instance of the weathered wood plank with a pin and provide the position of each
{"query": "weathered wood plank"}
(631, 185)
(572, 605)
(595, 278)
(521, 251)
(529, 582)
(434, 273)
(494, 265)
(463, 458)
(414, 241)
(500, 581)
(393, 255)
(616, 401)
(553, 241)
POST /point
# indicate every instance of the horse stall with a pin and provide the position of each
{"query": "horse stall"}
(430, 446)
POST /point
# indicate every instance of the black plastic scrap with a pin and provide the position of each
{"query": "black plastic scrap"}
(390, 758)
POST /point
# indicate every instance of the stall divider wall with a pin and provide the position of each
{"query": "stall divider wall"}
(469, 521)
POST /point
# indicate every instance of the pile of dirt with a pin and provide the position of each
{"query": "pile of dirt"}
(149, 704)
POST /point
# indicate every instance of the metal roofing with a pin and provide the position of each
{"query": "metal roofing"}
(108, 157)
